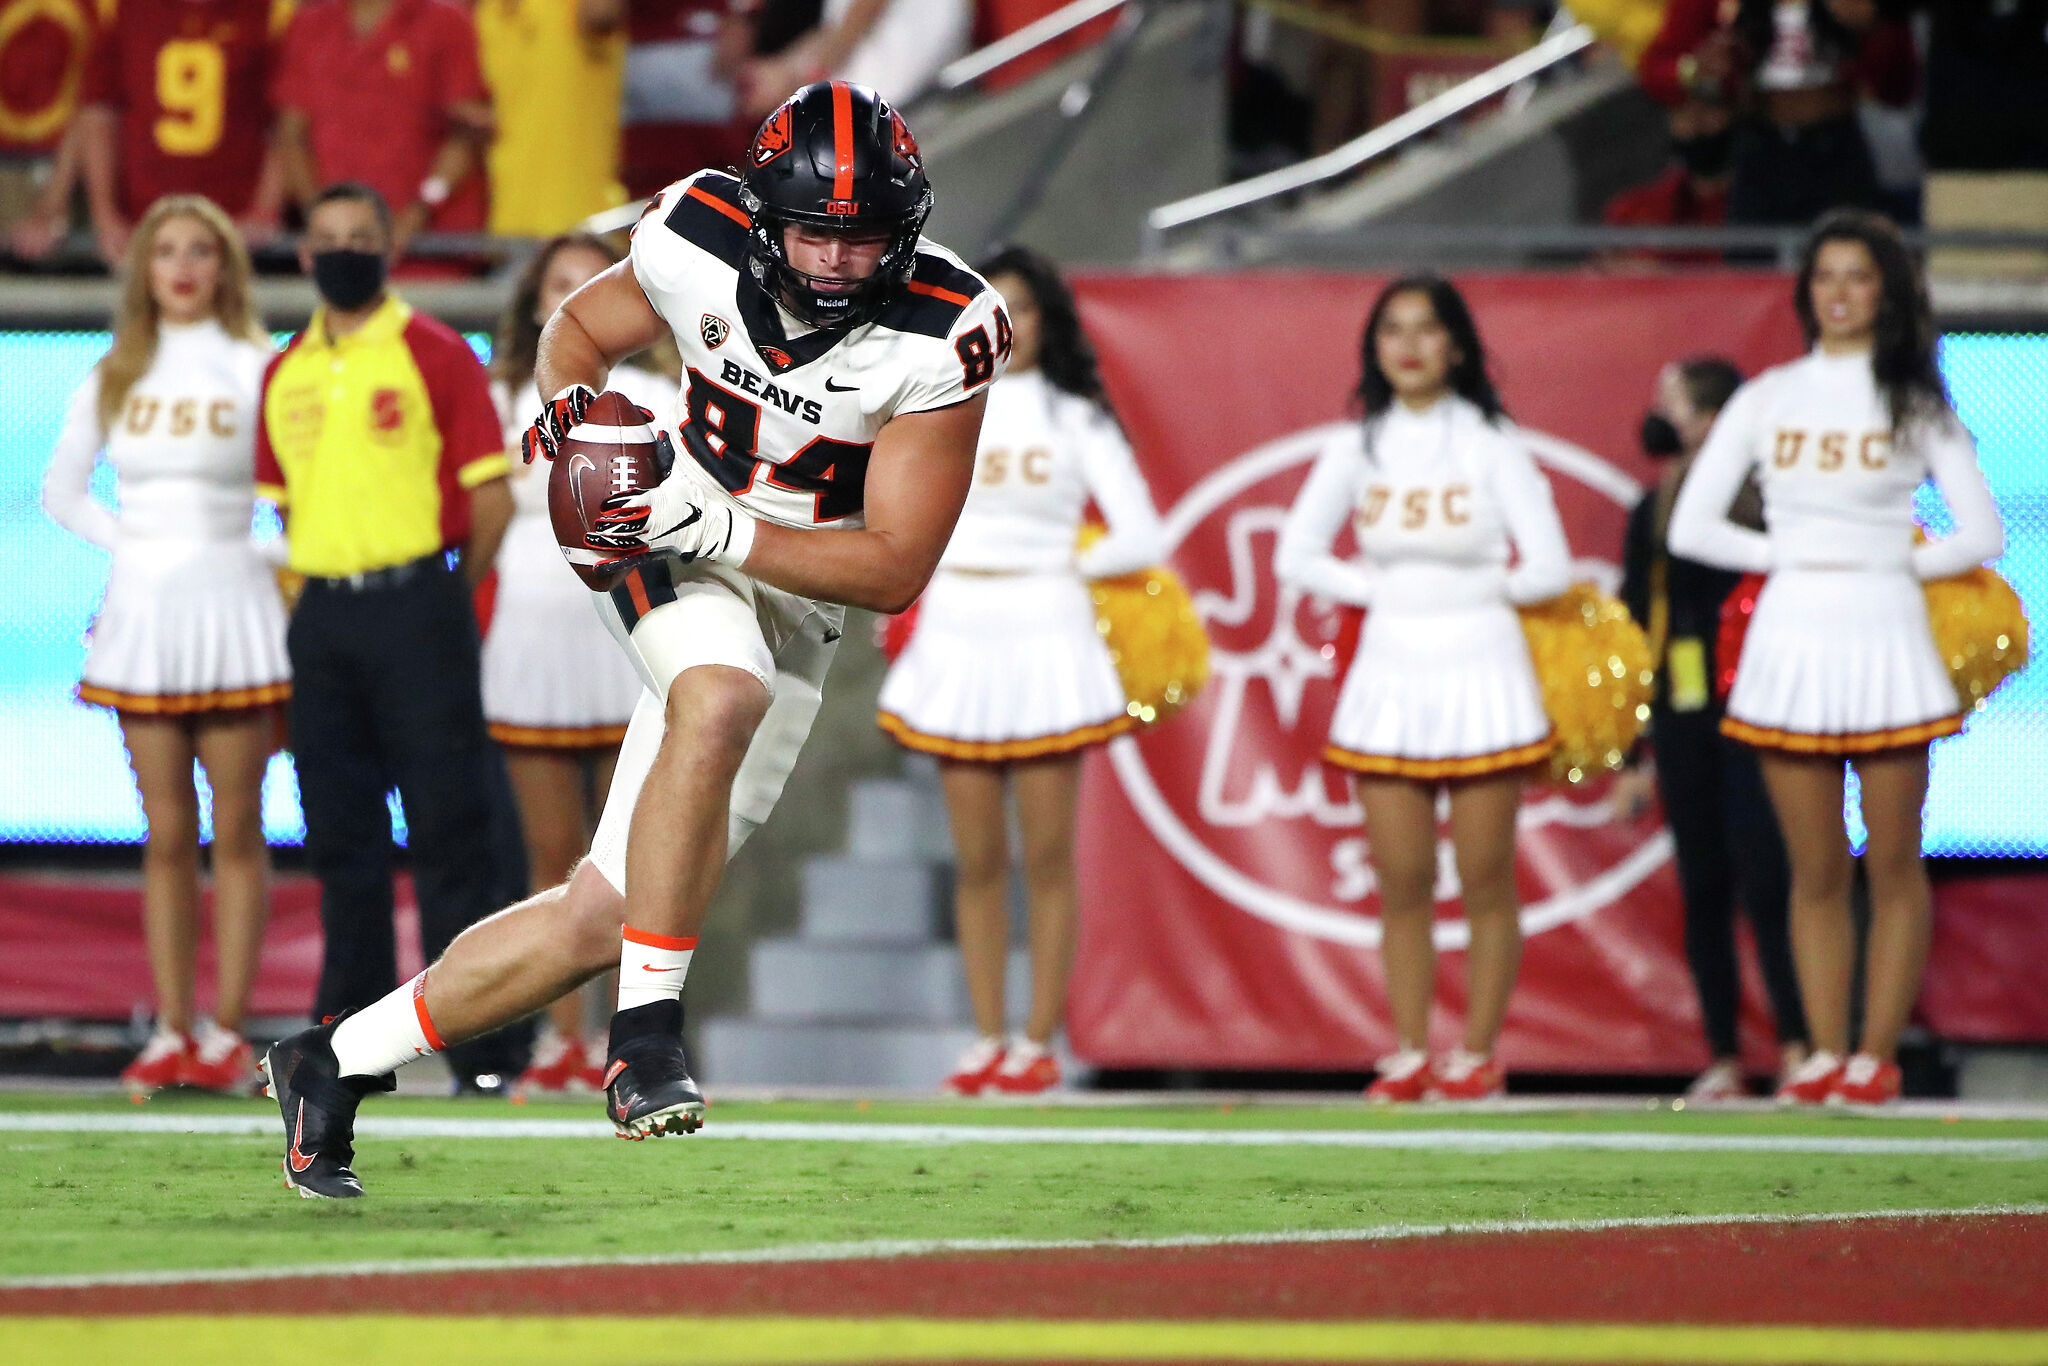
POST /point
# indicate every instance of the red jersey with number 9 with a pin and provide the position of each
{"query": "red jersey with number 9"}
(190, 80)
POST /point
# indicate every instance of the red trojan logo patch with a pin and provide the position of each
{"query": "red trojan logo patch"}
(773, 139)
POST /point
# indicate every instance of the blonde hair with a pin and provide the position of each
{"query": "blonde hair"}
(135, 324)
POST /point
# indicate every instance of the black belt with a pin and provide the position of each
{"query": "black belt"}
(395, 576)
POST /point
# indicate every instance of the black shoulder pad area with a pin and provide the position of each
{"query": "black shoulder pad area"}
(933, 300)
(708, 215)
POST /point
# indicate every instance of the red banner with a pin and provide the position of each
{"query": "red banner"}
(1231, 912)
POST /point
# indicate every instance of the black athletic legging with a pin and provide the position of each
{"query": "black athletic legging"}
(1727, 842)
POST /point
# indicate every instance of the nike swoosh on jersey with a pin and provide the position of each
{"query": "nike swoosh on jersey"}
(841, 388)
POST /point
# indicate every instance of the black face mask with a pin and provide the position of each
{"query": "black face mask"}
(1706, 157)
(1660, 436)
(348, 279)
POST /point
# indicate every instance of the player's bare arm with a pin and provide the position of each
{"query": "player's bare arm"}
(917, 480)
(598, 326)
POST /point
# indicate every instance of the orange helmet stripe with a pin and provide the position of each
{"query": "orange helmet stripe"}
(842, 140)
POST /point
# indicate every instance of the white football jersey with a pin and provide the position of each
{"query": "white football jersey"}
(782, 418)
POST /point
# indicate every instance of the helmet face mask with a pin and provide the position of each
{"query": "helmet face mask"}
(835, 157)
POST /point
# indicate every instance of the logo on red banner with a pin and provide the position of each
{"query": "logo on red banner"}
(1235, 790)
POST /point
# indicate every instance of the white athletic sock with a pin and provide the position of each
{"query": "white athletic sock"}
(388, 1033)
(652, 967)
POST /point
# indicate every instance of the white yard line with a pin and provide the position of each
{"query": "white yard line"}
(878, 1249)
(954, 1135)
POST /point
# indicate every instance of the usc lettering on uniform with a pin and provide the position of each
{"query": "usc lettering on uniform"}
(998, 464)
(183, 416)
(1831, 448)
(1451, 504)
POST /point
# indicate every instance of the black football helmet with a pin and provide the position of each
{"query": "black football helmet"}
(834, 156)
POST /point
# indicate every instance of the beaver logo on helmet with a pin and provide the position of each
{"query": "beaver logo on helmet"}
(906, 144)
(773, 139)
(853, 167)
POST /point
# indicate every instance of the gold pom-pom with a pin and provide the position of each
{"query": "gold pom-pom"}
(1980, 629)
(1155, 639)
(1595, 671)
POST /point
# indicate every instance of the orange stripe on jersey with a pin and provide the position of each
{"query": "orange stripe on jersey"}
(919, 287)
(842, 140)
(719, 204)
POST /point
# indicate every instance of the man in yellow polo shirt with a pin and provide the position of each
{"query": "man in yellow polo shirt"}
(379, 443)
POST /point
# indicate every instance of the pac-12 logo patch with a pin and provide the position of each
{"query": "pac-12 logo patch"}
(715, 330)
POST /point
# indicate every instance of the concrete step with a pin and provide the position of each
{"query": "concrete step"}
(808, 979)
(738, 1051)
(862, 899)
(897, 818)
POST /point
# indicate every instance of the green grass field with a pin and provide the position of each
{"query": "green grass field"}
(74, 1203)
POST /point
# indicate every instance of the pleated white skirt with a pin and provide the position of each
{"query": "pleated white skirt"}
(1841, 662)
(1003, 667)
(1435, 696)
(187, 626)
(553, 676)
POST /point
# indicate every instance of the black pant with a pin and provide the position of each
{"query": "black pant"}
(1727, 840)
(1794, 175)
(386, 692)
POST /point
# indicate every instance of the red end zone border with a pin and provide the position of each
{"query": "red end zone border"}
(1940, 1272)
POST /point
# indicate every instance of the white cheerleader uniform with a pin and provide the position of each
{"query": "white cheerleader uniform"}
(192, 621)
(1441, 685)
(553, 679)
(1006, 662)
(1839, 657)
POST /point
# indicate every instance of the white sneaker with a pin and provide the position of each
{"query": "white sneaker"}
(1720, 1082)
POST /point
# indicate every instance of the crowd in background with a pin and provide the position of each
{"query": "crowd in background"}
(516, 117)
(1780, 110)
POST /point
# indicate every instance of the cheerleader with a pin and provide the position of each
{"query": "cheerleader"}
(557, 691)
(1005, 679)
(1839, 663)
(1441, 693)
(188, 649)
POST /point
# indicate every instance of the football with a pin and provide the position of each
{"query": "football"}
(613, 450)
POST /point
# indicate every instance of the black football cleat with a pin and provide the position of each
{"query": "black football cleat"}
(319, 1110)
(647, 1086)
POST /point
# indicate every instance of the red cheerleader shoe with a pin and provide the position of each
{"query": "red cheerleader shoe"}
(219, 1060)
(590, 1075)
(1866, 1080)
(976, 1068)
(1468, 1076)
(1404, 1078)
(161, 1063)
(1813, 1081)
(557, 1061)
(1026, 1071)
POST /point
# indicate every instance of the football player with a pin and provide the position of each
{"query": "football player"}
(835, 367)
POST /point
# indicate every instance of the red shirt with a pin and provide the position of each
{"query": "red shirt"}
(379, 104)
(43, 46)
(1669, 201)
(189, 80)
(1884, 64)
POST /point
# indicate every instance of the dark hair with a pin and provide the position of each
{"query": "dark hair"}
(517, 344)
(356, 192)
(1710, 381)
(1902, 356)
(1468, 377)
(1756, 27)
(1065, 354)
